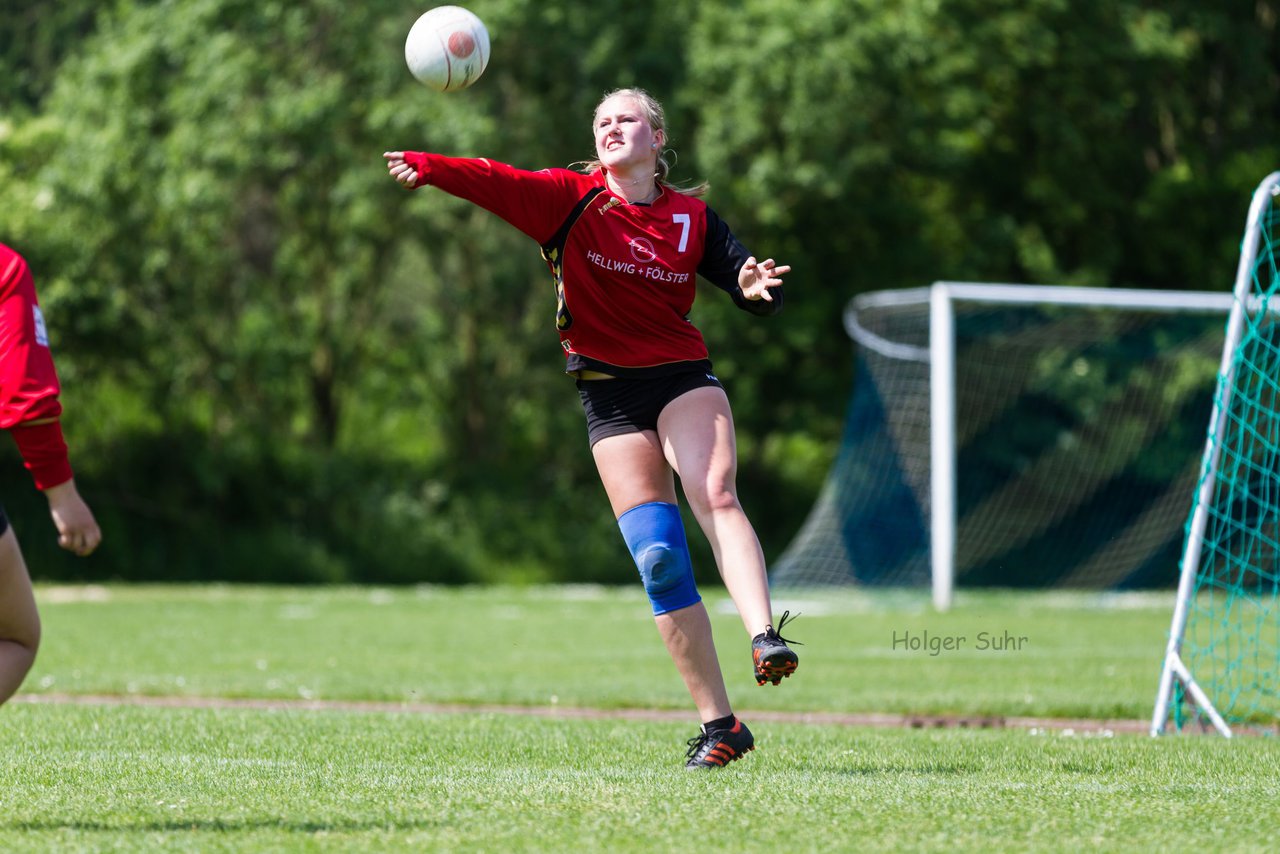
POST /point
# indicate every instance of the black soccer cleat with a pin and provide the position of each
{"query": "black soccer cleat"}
(716, 748)
(773, 658)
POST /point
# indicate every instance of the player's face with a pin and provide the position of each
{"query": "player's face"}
(624, 136)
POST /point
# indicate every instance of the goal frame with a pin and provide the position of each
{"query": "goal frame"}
(1174, 667)
(940, 356)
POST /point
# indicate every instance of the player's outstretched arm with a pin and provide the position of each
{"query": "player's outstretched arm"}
(78, 531)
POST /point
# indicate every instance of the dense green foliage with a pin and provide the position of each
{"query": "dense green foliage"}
(278, 364)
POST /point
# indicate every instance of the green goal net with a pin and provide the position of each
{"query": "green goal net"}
(1222, 660)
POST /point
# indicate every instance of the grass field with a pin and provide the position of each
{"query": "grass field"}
(216, 777)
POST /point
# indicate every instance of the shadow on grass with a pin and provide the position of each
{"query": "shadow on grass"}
(878, 769)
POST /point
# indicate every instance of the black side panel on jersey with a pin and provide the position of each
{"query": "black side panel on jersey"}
(722, 258)
(553, 250)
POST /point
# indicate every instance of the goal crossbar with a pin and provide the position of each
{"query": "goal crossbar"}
(940, 356)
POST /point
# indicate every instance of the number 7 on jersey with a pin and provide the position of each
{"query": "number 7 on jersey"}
(682, 219)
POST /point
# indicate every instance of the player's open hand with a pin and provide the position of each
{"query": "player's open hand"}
(755, 278)
(400, 170)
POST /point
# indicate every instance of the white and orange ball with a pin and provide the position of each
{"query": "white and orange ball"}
(447, 48)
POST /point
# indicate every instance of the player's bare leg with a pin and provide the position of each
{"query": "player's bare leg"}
(19, 619)
(699, 442)
(634, 472)
(687, 635)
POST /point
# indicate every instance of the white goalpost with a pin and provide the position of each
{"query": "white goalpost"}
(1014, 435)
(942, 382)
(1223, 650)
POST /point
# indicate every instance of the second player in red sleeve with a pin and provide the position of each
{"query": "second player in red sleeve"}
(31, 412)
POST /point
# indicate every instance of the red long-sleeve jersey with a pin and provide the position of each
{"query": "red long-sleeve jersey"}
(625, 273)
(29, 406)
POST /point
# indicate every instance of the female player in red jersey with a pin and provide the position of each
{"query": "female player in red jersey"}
(625, 248)
(29, 410)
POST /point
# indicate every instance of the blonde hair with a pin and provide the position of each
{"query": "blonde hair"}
(654, 115)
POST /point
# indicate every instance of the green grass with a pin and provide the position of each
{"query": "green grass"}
(131, 778)
(1085, 655)
(127, 779)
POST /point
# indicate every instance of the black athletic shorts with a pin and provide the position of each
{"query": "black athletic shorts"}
(625, 405)
(4, 522)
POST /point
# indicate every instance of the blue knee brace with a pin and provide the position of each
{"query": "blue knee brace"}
(655, 536)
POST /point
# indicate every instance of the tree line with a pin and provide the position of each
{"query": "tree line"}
(277, 365)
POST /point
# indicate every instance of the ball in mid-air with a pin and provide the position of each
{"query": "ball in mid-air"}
(447, 48)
